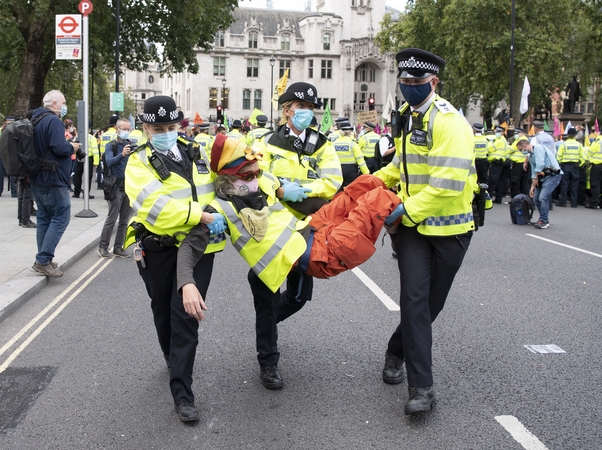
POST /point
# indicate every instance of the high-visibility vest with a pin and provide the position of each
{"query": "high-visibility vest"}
(273, 257)
(166, 207)
(440, 183)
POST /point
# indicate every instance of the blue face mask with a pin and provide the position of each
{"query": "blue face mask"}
(415, 94)
(124, 135)
(164, 141)
(63, 111)
(524, 152)
(302, 118)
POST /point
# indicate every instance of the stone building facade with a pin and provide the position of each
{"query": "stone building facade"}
(332, 48)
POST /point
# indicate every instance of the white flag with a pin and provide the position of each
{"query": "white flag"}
(524, 99)
(388, 108)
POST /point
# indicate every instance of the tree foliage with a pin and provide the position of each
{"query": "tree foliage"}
(165, 31)
(553, 41)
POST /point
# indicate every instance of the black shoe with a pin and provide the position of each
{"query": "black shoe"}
(562, 205)
(120, 253)
(75, 196)
(270, 377)
(28, 224)
(421, 400)
(90, 196)
(393, 370)
(187, 411)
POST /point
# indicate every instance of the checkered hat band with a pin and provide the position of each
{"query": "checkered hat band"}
(149, 117)
(413, 64)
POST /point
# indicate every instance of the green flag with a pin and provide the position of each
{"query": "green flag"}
(545, 126)
(327, 119)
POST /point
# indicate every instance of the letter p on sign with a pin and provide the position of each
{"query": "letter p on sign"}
(85, 7)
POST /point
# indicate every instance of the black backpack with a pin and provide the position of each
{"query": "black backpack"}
(18, 151)
(521, 209)
(384, 160)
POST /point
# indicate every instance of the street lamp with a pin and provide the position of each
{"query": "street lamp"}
(272, 62)
(223, 89)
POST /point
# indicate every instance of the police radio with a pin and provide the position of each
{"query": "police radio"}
(312, 140)
(158, 165)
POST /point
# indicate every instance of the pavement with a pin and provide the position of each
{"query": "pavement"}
(18, 281)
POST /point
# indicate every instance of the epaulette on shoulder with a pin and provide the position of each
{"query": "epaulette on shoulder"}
(142, 147)
(444, 106)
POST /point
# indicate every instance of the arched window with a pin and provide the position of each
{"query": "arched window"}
(326, 41)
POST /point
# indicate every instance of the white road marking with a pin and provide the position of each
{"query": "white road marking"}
(565, 245)
(382, 296)
(33, 335)
(520, 434)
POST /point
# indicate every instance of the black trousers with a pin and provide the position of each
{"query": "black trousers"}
(177, 331)
(350, 173)
(79, 176)
(482, 167)
(595, 180)
(24, 201)
(570, 179)
(495, 187)
(427, 267)
(271, 308)
(520, 180)
(372, 164)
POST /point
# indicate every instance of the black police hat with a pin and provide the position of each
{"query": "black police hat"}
(161, 110)
(113, 119)
(341, 119)
(477, 126)
(346, 126)
(203, 126)
(519, 130)
(538, 123)
(417, 63)
(370, 124)
(301, 91)
(499, 129)
(236, 124)
(261, 118)
(571, 132)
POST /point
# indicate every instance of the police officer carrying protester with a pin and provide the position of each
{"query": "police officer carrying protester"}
(434, 165)
(169, 182)
(309, 170)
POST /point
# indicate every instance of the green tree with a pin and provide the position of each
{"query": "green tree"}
(474, 36)
(165, 31)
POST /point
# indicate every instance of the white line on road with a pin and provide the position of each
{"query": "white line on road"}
(382, 296)
(518, 431)
(42, 313)
(33, 335)
(565, 245)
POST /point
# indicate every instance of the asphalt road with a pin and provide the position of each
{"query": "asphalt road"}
(94, 376)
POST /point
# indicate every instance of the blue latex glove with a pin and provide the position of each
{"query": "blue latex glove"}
(396, 214)
(293, 192)
(218, 226)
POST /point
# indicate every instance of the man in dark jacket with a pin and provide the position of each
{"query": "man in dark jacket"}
(51, 188)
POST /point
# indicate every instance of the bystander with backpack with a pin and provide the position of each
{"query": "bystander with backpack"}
(51, 187)
(115, 158)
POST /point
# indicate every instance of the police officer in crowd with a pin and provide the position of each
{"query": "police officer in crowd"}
(367, 143)
(570, 157)
(434, 165)
(595, 177)
(350, 155)
(259, 131)
(482, 149)
(169, 182)
(337, 133)
(520, 176)
(204, 139)
(497, 158)
(235, 131)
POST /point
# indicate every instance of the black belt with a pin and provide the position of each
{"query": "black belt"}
(570, 162)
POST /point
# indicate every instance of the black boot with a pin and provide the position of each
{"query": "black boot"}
(393, 370)
(421, 400)
(270, 377)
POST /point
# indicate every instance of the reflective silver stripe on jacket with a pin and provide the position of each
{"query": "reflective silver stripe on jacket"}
(245, 236)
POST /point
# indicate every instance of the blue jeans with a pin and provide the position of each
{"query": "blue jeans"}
(53, 216)
(542, 196)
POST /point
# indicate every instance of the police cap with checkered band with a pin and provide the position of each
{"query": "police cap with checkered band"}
(417, 63)
(161, 110)
(301, 91)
